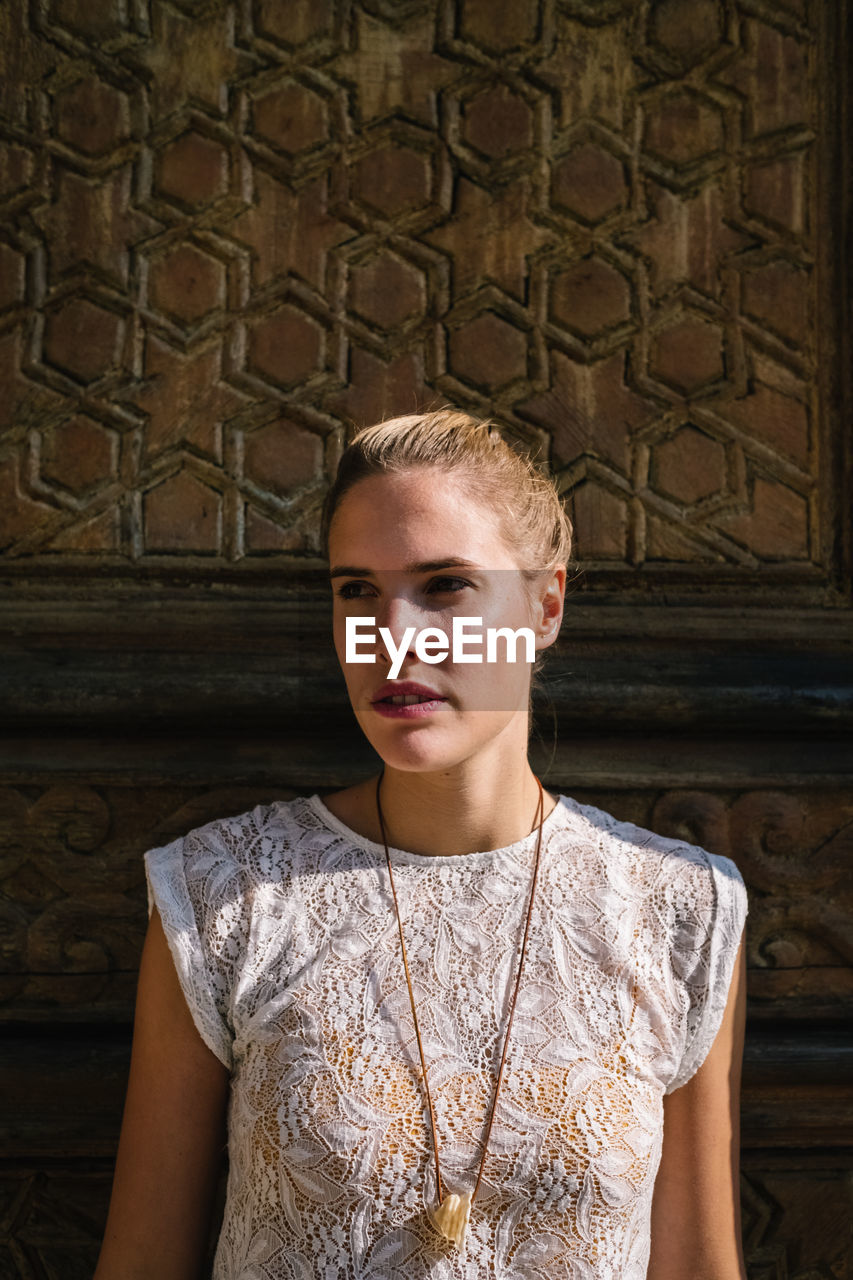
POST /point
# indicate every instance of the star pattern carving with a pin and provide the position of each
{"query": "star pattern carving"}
(490, 236)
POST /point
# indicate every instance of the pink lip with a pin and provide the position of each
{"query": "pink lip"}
(412, 710)
(395, 688)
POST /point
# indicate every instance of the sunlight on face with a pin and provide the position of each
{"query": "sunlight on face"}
(383, 528)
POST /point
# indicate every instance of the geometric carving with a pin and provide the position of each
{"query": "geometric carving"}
(263, 535)
(185, 399)
(289, 230)
(92, 116)
(589, 182)
(590, 298)
(186, 284)
(600, 522)
(189, 60)
(497, 30)
(780, 420)
(687, 354)
(302, 20)
(95, 22)
(392, 180)
(282, 457)
(18, 512)
(192, 169)
(488, 351)
(387, 291)
(16, 168)
(394, 69)
(683, 127)
(497, 122)
(490, 236)
(688, 31)
(103, 332)
(566, 225)
(93, 535)
(689, 466)
(687, 239)
(78, 454)
(290, 117)
(286, 346)
(588, 71)
(589, 409)
(378, 388)
(92, 221)
(777, 526)
(182, 514)
(774, 192)
(771, 72)
(12, 277)
(776, 295)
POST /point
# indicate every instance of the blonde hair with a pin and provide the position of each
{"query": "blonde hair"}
(530, 513)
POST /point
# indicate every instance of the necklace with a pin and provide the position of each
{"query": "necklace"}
(453, 1213)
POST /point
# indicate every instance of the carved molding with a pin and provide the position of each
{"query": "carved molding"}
(74, 912)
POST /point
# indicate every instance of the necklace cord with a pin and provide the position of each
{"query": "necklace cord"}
(411, 994)
(540, 811)
(514, 998)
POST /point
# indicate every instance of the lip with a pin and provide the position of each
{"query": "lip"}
(412, 710)
(411, 688)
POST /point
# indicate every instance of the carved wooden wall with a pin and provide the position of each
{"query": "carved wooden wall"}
(229, 232)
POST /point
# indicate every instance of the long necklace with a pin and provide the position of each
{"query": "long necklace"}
(453, 1213)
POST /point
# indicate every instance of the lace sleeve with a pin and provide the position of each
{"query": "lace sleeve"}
(195, 885)
(705, 947)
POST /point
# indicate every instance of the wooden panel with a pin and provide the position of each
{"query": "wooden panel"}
(615, 226)
(93, 657)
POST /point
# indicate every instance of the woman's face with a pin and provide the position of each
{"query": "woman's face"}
(396, 537)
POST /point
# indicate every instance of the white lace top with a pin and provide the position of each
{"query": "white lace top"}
(282, 927)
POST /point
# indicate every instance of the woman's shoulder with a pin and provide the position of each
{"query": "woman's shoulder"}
(270, 837)
(646, 860)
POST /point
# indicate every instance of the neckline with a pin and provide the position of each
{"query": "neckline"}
(330, 820)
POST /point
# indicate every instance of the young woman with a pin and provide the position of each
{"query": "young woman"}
(449, 1024)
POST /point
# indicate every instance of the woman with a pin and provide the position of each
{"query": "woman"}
(462, 1027)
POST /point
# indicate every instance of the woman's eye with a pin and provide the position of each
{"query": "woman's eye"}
(438, 586)
(350, 590)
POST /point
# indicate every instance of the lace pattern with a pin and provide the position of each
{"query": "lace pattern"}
(281, 925)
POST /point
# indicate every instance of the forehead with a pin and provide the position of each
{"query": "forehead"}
(420, 514)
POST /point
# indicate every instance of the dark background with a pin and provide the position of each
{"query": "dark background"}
(230, 233)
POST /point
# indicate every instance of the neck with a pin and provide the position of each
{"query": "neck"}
(476, 805)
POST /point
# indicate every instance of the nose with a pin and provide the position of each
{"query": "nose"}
(397, 613)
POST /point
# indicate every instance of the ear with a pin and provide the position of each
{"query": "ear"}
(548, 612)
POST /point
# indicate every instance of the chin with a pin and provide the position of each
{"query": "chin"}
(429, 748)
(407, 746)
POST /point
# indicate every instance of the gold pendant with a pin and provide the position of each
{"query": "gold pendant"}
(451, 1217)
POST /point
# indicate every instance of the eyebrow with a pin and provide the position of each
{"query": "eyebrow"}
(418, 566)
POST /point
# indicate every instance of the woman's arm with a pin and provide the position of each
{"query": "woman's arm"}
(172, 1134)
(696, 1229)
